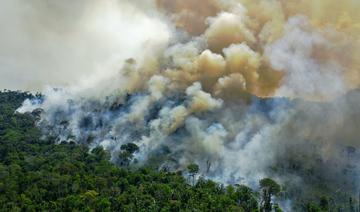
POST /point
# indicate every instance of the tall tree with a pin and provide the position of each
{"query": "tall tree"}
(127, 153)
(193, 169)
(269, 189)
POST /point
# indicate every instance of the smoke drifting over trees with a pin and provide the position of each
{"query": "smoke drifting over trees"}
(245, 89)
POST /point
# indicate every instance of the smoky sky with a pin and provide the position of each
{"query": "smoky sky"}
(59, 42)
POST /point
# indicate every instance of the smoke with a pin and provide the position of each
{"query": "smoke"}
(59, 42)
(243, 94)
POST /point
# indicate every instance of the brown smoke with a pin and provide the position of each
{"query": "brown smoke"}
(249, 36)
(190, 15)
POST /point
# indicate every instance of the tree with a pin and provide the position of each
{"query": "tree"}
(324, 203)
(245, 197)
(193, 169)
(351, 205)
(269, 188)
(100, 153)
(277, 208)
(312, 207)
(130, 147)
(127, 153)
(125, 158)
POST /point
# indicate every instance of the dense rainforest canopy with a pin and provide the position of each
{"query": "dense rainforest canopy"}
(38, 175)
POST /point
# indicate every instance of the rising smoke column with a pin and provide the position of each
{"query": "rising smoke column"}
(247, 89)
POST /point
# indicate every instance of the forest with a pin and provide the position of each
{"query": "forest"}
(180, 105)
(37, 174)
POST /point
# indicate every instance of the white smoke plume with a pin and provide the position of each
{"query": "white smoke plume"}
(59, 42)
(244, 94)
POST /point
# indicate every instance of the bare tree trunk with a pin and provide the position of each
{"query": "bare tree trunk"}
(266, 201)
(208, 163)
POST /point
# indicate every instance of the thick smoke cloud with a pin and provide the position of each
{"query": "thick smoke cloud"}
(306, 74)
(243, 94)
